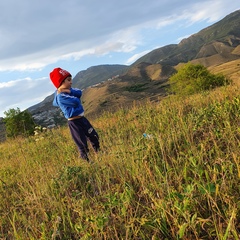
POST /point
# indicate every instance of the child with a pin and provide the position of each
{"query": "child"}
(68, 99)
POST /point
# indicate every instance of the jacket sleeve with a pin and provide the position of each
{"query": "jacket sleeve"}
(76, 92)
(68, 100)
(55, 102)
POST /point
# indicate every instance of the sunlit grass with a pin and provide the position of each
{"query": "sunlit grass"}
(181, 183)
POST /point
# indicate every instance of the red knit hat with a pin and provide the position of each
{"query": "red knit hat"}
(58, 75)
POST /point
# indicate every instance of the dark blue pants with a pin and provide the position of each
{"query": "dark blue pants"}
(81, 131)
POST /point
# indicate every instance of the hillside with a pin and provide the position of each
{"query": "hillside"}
(141, 82)
(97, 74)
(181, 181)
(108, 87)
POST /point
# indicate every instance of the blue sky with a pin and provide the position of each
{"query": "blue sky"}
(37, 36)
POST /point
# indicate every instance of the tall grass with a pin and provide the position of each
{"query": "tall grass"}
(180, 183)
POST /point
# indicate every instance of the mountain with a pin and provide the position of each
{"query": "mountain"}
(97, 74)
(141, 82)
(108, 87)
(220, 39)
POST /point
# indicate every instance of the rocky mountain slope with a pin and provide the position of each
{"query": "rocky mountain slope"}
(108, 87)
(220, 40)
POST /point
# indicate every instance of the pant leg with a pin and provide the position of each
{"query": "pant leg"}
(78, 135)
(91, 134)
(94, 140)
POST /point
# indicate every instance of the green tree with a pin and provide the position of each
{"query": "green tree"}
(192, 79)
(18, 123)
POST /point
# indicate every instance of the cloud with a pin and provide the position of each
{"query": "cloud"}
(135, 57)
(35, 35)
(183, 37)
(23, 92)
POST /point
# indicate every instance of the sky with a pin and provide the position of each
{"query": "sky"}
(38, 36)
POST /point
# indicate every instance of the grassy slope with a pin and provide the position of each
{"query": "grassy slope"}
(230, 69)
(182, 183)
(150, 81)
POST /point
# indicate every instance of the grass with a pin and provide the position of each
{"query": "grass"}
(181, 183)
(136, 88)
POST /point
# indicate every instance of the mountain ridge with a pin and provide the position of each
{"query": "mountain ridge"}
(226, 31)
(108, 86)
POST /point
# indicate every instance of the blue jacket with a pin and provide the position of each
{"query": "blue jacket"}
(70, 104)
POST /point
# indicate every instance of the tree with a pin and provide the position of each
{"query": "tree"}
(192, 79)
(18, 123)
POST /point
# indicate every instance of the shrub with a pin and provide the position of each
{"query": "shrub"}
(18, 123)
(136, 88)
(192, 79)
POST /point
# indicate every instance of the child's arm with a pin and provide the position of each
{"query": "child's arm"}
(68, 100)
(76, 92)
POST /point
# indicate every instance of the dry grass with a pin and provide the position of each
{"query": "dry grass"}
(229, 69)
(180, 183)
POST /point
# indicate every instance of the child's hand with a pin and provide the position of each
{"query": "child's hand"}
(66, 90)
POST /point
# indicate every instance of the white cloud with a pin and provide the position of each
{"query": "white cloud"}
(48, 26)
(44, 33)
(210, 10)
(23, 92)
(135, 57)
(183, 37)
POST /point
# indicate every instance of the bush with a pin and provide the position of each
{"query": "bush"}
(18, 123)
(192, 79)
